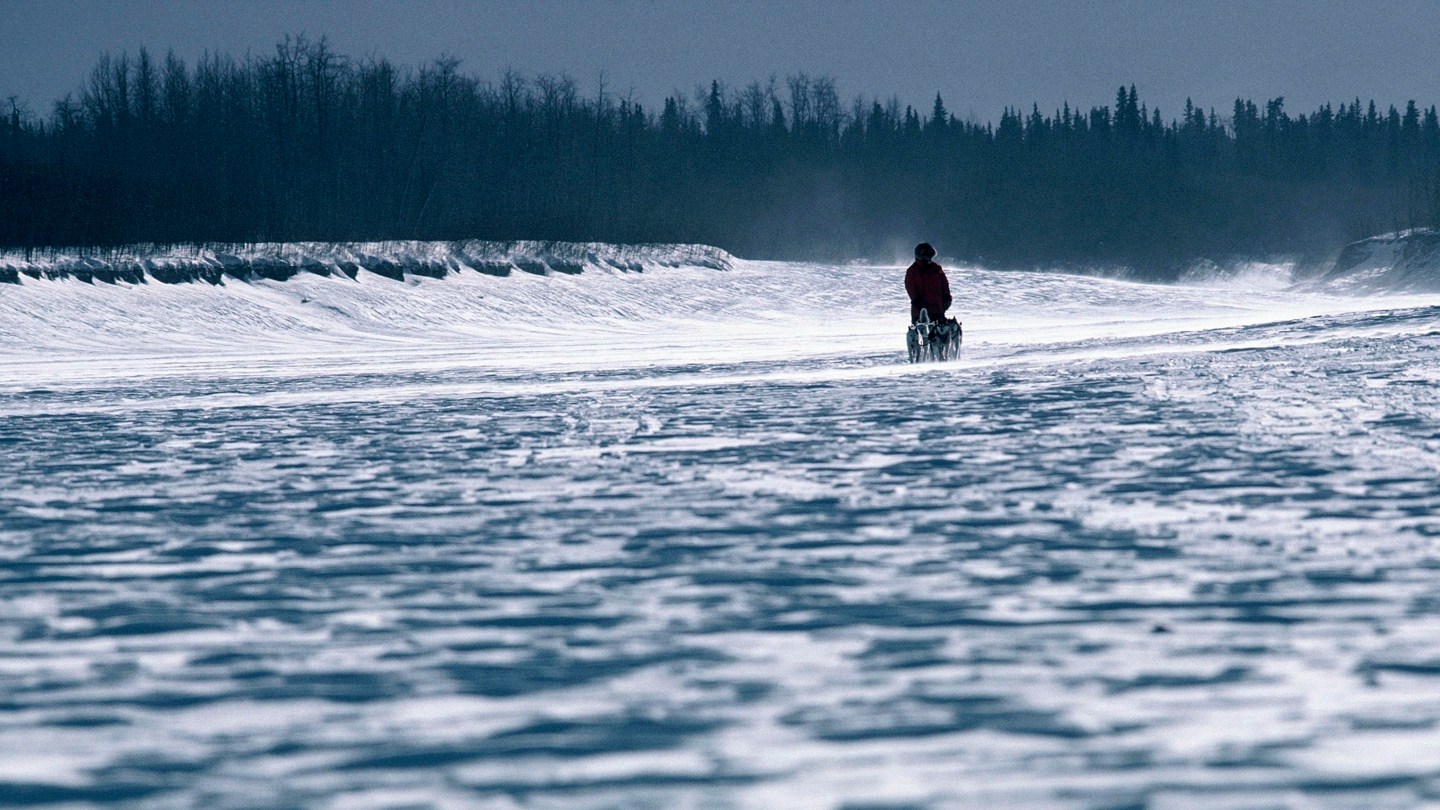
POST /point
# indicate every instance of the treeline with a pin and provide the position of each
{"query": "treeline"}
(306, 144)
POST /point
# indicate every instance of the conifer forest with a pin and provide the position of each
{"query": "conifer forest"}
(306, 144)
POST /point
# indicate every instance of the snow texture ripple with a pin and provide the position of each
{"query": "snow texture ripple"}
(696, 537)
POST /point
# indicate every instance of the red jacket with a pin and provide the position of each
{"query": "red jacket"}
(928, 288)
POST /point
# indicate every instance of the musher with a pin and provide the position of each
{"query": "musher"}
(926, 283)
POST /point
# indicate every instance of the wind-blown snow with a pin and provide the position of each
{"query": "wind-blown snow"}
(695, 536)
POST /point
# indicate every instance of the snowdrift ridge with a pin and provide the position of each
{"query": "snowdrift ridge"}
(213, 263)
(1401, 262)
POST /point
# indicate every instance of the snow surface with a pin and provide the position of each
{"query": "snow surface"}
(695, 536)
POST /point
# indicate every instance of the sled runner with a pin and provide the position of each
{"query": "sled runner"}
(935, 341)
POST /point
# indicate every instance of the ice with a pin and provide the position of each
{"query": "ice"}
(694, 535)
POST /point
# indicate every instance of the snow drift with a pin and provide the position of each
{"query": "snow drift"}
(138, 264)
(1401, 262)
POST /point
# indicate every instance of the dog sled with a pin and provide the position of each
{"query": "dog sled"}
(934, 341)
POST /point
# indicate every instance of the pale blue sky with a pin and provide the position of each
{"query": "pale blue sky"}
(980, 54)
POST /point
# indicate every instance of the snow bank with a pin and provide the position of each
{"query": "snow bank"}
(138, 264)
(1404, 261)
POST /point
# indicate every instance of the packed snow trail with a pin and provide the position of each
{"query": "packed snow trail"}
(705, 539)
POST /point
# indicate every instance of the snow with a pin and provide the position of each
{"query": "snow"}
(691, 534)
(1401, 261)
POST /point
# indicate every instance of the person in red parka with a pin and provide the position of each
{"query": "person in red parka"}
(926, 283)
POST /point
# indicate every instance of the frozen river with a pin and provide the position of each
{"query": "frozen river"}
(704, 541)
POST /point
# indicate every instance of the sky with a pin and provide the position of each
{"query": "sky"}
(980, 55)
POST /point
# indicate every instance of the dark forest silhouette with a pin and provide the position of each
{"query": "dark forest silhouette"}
(306, 144)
